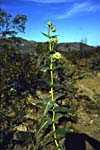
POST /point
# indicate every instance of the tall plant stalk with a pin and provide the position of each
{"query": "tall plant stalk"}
(53, 56)
(51, 29)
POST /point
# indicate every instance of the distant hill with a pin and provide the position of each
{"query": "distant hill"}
(26, 46)
(74, 46)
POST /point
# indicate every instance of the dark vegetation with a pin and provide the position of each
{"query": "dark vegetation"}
(24, 93)
(9, 25)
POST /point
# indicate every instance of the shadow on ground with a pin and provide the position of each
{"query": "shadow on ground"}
(21, 141)
(76, 141)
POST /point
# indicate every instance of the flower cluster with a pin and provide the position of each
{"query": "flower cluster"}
(57, 56)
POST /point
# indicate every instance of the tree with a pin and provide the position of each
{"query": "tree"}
(82, 47)
(9, 25)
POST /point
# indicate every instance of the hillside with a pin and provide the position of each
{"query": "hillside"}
(24, 85)
(28, 46)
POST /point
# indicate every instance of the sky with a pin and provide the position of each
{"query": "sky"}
(75, 20)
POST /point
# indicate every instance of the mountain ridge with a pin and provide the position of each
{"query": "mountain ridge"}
(29, 46)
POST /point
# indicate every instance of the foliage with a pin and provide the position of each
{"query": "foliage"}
(95, 64)
(9, 25)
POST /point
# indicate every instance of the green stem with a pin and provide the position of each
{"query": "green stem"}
(42, 127)
(52, 98)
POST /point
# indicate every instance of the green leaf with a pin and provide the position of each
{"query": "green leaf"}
(62, 110)
(44, 69)
(46, 103)
(53, 29)
(46, 35)
(61, 132)
(58, 116)
(49, 24)
(54, 36)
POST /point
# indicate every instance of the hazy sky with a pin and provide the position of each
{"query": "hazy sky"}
(74, 19)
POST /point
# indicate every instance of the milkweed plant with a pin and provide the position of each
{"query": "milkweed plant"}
(47, 132)
(52, 39)
(53, 56)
